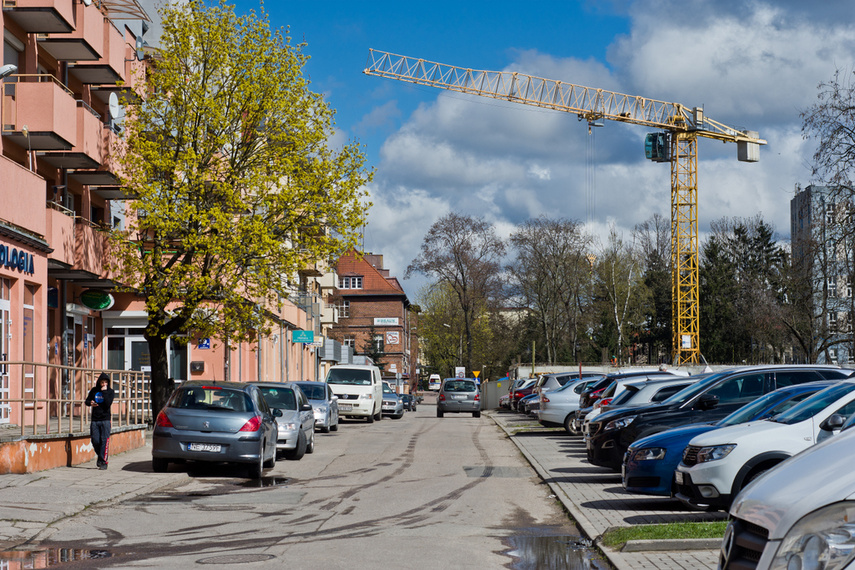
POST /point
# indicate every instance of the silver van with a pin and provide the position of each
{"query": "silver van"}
(459, 395)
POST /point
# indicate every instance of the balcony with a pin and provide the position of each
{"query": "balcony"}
(60, 235)
(41, 16)
(90, 144)
(111, 68)
(39, 113)
(84, 43)
(90, 248)
(23, 196)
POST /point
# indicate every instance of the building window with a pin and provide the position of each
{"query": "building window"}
(832, 321)
(379, 345)
(349, 341)
(829, 213)
(832, 355)
(832, 287)
(848, 287)
(344, 309)
(354, 282)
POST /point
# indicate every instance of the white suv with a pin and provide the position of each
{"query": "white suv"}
(798, 515)
(718, 464)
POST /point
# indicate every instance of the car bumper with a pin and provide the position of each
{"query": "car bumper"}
(604, 451)
(241, 449)
(696, 489)
(354, 408)
(287, 440)
(648, 477)
(555, 416)
(457, 407)
(392, 410)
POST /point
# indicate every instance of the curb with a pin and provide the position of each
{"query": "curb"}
(672, 545)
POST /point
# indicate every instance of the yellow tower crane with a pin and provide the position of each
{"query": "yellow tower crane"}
(676, 143)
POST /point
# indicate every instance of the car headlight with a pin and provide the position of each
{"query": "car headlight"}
(366, 396)
(649, 454)
(822, 540)
(715, 452)
(291, 426)
(619, 424)
(321, 409)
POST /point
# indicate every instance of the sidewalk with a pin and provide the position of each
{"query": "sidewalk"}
(595, 498)
(29, 503)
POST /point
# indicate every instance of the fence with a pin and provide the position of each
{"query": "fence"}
(51, 397)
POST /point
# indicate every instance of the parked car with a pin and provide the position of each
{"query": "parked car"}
(359, 389)
(459, 395)
(530, 402)
(717, 465)
(215, 422)
(324, 404)
(616, 380)
(649, 463)
(708, 400)
(519, 393)
(797, 515)
(392, 404)
(558, 406)
(297, 422)
(409, 402)
(617, 391)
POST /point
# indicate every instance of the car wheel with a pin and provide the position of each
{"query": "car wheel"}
(398, 417)
(334, 427)
(568, 425)
(298, 452)
(310, 448)
(159, 465)
(370, 419)
(476, 414)
(379, 415)
(439, 413)
(414, 408)
(271, 463)
(256, 470)
(326, 428)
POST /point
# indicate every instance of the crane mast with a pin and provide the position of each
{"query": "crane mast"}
(677, 144)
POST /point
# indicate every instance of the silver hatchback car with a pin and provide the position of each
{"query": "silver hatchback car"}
(297, 419)
(216, 422)
(459, 395)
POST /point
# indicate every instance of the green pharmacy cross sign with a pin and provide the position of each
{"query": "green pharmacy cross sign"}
(305, 337)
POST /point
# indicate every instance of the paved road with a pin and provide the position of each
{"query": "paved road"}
(419, 492)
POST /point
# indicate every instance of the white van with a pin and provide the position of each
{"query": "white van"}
(359, 389)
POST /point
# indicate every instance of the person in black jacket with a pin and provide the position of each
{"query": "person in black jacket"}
(100, 399)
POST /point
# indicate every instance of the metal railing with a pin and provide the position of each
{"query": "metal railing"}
(52, 397)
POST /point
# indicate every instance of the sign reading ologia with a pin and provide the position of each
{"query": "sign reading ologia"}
(19, 259)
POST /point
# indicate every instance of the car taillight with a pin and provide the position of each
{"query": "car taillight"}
(597, 393)
(163, 421)
(543, 398)
(253, 424)
(442, 397)
(603, 402)
(477, 397)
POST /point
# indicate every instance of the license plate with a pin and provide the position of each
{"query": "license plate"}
(345, 407)
(678, 477)
(459, 397)
(204, 447)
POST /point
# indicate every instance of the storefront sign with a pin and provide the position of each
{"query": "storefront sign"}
(393, 337)
(17, 259)
(97, 300)
(385, 321)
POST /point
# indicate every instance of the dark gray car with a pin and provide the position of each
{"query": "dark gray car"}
(459, 395)
(216, 422)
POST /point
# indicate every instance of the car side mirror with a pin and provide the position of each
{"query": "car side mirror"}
(334, 398)
(306, 408)
(707, 402)
(277, 413)
(833, 422)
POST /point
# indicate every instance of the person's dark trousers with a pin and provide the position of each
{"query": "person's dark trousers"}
(99, 432)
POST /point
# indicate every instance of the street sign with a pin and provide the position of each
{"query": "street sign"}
(305, 337)
(476, 373)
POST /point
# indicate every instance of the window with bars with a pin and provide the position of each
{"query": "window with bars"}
(832, 286)
(344, 309)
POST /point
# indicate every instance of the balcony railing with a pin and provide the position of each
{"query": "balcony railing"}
(51, 398)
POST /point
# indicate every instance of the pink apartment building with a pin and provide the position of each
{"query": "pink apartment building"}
(58, 191)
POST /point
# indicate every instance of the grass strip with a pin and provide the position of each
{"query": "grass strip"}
(617, 537)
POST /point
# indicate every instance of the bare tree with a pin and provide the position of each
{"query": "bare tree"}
(551, 274)
(464, 253)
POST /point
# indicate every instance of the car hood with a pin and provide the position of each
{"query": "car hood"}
(783, 495)
(288, 416)
(736, 433)
(672, 437)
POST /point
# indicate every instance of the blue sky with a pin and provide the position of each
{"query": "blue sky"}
(750, 64)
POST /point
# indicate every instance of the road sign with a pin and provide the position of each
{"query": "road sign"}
(305, 337)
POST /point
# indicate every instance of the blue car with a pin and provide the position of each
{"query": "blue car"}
(649, 463)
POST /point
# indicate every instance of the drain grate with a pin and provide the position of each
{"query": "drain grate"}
(236, 559)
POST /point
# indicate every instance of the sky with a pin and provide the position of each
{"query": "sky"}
(750, 64)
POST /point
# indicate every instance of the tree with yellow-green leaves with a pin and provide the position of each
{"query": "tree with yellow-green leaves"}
(236, 184)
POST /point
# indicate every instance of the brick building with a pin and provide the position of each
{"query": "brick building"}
(373, 308)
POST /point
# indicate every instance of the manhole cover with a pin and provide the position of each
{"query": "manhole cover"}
(236, 559)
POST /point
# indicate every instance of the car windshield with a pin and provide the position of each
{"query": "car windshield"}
(568, 386)
(459, 386)
(387, 389)
(629, 391)
(351, 376)
(751, 411)
(282, 398)
(815, 404)
(313, 391)
(698, 387)
(211, 398)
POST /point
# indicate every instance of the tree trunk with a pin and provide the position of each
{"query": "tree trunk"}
(161, 386)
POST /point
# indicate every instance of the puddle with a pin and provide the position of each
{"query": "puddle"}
(263, 482)
(48, 557)
(553, 553)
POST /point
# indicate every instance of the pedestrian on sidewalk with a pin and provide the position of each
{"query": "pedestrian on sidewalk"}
(100, 399)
